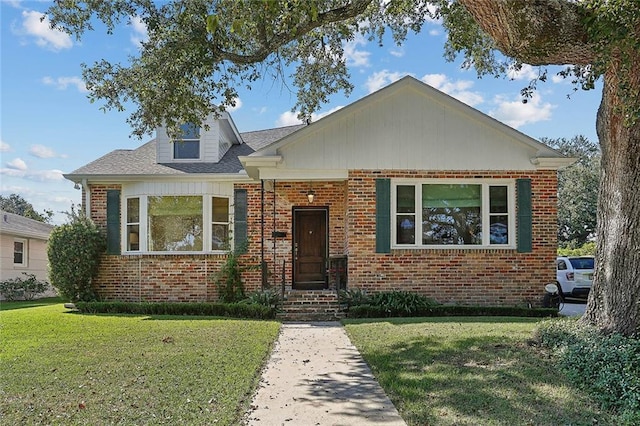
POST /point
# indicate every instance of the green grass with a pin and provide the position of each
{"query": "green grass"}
(469, 371)
(65, 368)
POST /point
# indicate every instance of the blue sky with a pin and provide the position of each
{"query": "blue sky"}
(48, 126)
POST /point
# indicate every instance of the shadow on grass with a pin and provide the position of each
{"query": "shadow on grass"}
(22, 304)
(488, 378)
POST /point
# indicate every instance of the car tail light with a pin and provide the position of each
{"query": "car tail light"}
(570, 276)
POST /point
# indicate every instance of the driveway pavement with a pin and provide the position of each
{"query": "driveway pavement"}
(572, 308)
(315, 376)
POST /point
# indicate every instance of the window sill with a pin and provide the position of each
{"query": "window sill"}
(172, 253)
(456, 247)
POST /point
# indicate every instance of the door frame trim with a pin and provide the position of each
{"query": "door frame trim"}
(295, 209)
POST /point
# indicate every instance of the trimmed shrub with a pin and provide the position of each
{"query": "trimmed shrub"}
(23, 288)
(230, 310)
(371, 311)
(607, 366)
(74, 256)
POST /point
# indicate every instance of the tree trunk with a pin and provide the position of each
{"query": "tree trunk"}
(613, 304)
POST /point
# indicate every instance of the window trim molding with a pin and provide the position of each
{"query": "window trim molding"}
(485, 184)
(207, 201)
(25, 252)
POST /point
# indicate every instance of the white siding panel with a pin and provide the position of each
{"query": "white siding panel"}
(177, 188)
(407, 131)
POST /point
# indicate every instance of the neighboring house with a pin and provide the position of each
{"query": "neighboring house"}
(23, 247)
(408, 188)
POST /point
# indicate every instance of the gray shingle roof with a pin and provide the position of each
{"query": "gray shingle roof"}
(142, 160)
(262, 138)
(21, 226)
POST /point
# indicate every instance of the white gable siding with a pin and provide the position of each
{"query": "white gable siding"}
(408, 130)
(209, 145)
(177, 188)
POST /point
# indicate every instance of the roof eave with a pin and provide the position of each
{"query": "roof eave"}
(552, 163)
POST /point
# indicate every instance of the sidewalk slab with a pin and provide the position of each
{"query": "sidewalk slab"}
(315, 376)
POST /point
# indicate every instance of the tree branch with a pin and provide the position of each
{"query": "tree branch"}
(268, 46)
(536, 32)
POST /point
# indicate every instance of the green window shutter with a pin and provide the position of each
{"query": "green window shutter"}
(383, 216)
(525, 234)
(240, 221)
(113, 221)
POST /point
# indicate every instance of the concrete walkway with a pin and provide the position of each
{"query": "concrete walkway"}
(315, 376)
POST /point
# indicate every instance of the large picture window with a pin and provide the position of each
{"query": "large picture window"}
(445, 213)
(175, 223)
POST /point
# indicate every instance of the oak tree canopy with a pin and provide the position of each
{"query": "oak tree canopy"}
(199, 52)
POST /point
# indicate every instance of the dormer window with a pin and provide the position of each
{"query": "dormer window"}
(188, 147)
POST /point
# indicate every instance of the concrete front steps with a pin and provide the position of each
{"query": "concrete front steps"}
(310, 305)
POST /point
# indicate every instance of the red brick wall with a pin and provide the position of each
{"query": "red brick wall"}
(464, 276)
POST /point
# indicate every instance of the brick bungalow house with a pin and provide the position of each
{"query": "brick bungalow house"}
(404, 189)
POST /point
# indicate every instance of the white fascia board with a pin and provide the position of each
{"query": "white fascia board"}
(226, 177)
(552, 163)
(302, 175)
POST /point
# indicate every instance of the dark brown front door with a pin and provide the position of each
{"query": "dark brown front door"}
(309, 248)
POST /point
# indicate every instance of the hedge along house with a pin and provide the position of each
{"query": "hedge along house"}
(405, 189)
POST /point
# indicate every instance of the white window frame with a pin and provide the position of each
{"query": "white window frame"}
(25, 252)
(187, 160)
(207, 213)
(485, 214)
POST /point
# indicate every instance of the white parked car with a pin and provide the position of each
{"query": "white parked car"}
(574, 275)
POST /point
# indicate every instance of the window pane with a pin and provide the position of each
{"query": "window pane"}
(451, 214)
(175, 223)
(406, 199)
(405, 229)
(133, 210)
(186, 149)
(219, 237)
(498, 199)
(499, 230)
(18, 252)
(220, 209)
(190, 131)
(133, 237)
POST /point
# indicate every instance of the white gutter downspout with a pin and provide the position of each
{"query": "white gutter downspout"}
(87, 198)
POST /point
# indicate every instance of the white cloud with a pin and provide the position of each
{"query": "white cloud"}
(516, 114)
(36, 175)
(434, 32)
(4, 147)
(140, 33)
(457, 89)
(382, 78)
(42, 151)
(355, 57)
(53, 39)
(238, 105)
(526, 72)
(290, 118)
(61, 83)
(17, 164)
(398, 52)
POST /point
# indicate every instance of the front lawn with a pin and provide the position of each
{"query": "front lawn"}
(469, 371)
(64, 368)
